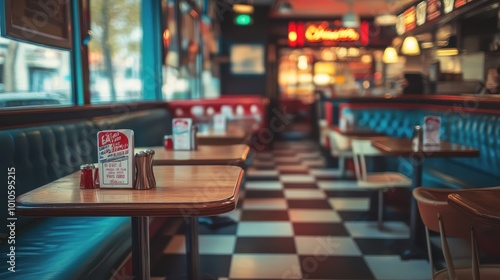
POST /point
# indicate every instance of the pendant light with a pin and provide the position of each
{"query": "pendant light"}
(390, 55)
(410, 46)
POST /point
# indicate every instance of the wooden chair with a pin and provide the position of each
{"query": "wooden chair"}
(438, 216)
(380, 181)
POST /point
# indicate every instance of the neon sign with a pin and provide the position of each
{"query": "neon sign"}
(322, 32)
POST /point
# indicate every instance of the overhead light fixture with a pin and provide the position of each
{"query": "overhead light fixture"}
(427, 45)
(244, 8)
(390, 55)
(350, 20)
(386, 20)
(410, 46)
(446, 52)
(284, 7)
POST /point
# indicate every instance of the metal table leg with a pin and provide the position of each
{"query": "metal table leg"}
(416, 228)
(192, 253)
(140, 248)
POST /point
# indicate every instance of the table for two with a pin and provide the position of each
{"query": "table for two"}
(186, 191)
(403, 147)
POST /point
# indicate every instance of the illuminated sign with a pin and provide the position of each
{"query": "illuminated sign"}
(322, 32)
(460, 3)
(243, 19)
(421, 12)
(410, 19)
(448, 6)
(433, 9)
(400, 25)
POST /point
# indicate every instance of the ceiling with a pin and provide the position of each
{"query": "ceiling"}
(328, 8)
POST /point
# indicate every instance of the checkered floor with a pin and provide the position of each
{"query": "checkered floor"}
(296, 219)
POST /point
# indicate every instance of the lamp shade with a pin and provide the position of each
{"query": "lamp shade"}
(390, 55)
(350, 20)
(410, 46)
(243, 8)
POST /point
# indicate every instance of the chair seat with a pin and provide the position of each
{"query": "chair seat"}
(486, 272)
(384, 180)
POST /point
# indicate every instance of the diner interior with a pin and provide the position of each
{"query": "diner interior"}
(250, 139)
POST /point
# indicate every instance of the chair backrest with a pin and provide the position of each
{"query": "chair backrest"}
(339, 143)
(360, 149)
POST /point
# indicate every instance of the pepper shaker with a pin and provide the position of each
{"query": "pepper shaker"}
(141, 181)
(149, 168)
(194, 141)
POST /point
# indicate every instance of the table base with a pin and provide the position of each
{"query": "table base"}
(140, 248)
(192, 254)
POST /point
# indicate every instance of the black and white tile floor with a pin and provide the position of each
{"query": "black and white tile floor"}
(295, 220)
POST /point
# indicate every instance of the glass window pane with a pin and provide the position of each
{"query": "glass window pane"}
(115, 50)
(31, 75)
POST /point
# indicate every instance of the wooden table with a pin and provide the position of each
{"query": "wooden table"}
(229, 137)
(483, 204)
(205, 155)
(182, 191)
(356, 132)
(403, 147)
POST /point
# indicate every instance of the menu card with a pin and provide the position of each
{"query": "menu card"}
(432, 129)
(115, 150)
(181, 128)
(220, 123)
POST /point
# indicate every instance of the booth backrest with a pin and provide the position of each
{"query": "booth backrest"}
(477, 130)
(42, 154)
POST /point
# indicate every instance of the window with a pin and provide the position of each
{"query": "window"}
(32, 75)
(115, 51)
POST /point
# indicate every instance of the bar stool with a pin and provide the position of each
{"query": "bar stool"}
(438, 216)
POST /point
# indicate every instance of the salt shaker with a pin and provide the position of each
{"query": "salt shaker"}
(194, 131)
(417, 138)
(150, 154)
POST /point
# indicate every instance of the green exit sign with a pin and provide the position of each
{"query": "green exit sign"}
(243, 19)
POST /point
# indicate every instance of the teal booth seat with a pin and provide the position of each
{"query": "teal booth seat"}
(67, 247)
(477, 130)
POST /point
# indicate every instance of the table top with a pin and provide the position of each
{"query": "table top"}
(483, 204)
(229, 137)
(205, 155)
(353, 132)
(180, 191)
(403, 147)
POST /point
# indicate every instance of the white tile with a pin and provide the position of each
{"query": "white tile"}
(304, 193)
(265, 266)
(326, 246)
(354, 204)
(339, 185)
(309, 215)
(325, 172)
(308, 155)
(264, 229)
(208, 245)
(263, 185)
(265, 204)
(314, 162)
(393, 268)
(297, 179)
(392, 229)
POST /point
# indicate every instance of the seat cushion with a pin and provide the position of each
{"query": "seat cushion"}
(70, 248)
(384, 180)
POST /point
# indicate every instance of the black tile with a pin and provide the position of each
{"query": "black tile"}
(357, 215)
(290, 172)
(263, 167)
(380, 246)
(342, 193)
(264, 215)
(332, 267)
(264, 194)
(174, 267)
(308, 204)
(288, 163)
(300, 186)
(265, 245)
(322, 229)
(225, 227)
